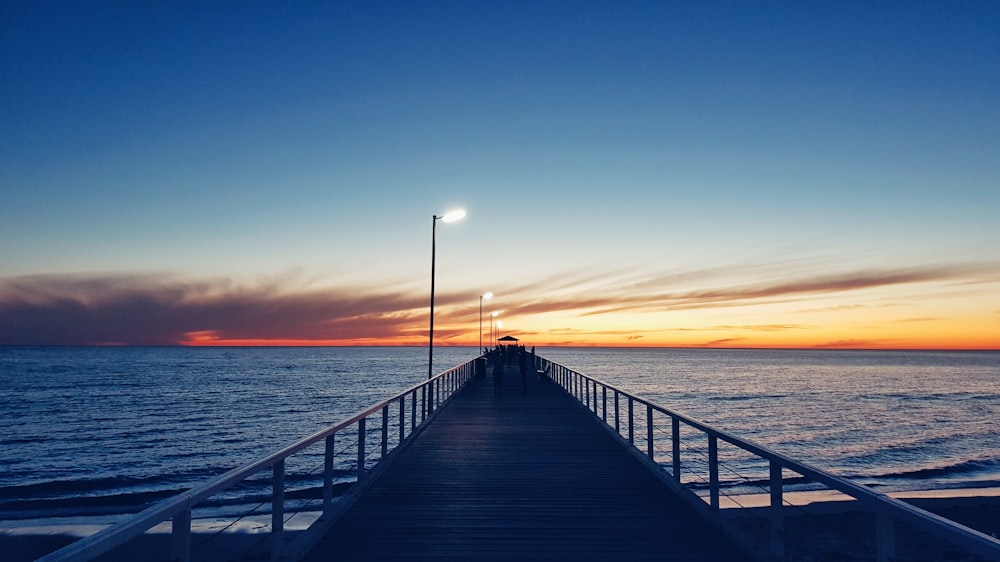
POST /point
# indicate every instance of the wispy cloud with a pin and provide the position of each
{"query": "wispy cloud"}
(163, 309)
(669, 292)
(136, 310)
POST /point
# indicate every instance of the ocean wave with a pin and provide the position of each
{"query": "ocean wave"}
(960, 468)
(64, 488)
(134, 502)
(745, 397)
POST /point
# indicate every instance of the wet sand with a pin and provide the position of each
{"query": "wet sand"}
(819, 532)
(838, 531)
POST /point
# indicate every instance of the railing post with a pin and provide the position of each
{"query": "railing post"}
(631, 422)
(362, 437)
(423, 402)
(713, 471)
(604, 402)
(430, 398)
(777, 511)
(328, 473)
(180, 536)
(413, 412)
(617, 415)
(594, 386)
(675, 434)
(385, 431)
(885, 537)
(402, 419)
(277, 510)
(649, 433)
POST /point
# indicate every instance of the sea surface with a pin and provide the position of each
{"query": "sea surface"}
(99, 432)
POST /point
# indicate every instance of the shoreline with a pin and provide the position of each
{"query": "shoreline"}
(978, 509)
(915, 497)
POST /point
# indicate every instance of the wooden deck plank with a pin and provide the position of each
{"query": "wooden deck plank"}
(527, 476)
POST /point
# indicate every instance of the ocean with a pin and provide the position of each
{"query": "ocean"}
(93, 433)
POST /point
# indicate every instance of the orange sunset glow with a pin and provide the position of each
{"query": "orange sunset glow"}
(636, 175)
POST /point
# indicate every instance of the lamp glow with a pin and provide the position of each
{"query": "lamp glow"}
(482, 297)
(452, 216)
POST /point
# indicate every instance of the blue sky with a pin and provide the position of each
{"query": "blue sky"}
(645, 151)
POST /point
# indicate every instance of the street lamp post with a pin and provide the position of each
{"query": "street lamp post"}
(450, 216)
(484, 296)
(492, 316)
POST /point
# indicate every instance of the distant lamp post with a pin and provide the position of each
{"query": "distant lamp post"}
(450, 216)
(482, 297)
(499, 327)
(492, 316)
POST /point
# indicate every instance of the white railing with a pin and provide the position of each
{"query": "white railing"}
(660, 436)
(376, 432)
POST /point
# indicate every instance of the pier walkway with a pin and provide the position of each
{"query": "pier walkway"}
(528, 476)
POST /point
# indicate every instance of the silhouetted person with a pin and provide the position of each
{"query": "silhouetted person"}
(522, 364)
(498, 377)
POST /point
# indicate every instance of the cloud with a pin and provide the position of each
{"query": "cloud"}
(851, 344)
(149, 310)
(721, 342)
(668, 293)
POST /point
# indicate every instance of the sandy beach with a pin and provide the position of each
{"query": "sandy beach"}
(821, 535)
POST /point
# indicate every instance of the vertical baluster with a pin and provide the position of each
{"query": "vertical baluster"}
(617, 415)
(675, 430)
(180, 536)
(328, 453)
(430, 398)
(423, 402)
(385, 431)
(713, 471)
(413, 412)
(777, 511)
(362, 437)
(604, 402)
(402, 419)
(277, 510)
(649, 432)
(631, 422)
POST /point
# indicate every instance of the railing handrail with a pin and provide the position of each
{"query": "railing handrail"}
(118, 533)
(880, 502)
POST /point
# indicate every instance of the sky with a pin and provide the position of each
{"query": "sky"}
(695, 174)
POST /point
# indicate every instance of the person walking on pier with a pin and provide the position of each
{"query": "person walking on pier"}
(522, 364)
(498, 376)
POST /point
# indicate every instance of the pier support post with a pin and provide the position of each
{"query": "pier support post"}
(277, 510)
(180, 536)
(885, 538)
(713, 471)
(777, 511)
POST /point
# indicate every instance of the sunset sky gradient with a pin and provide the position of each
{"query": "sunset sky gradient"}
(716, 174)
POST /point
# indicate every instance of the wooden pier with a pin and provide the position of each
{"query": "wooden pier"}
(527, 476)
